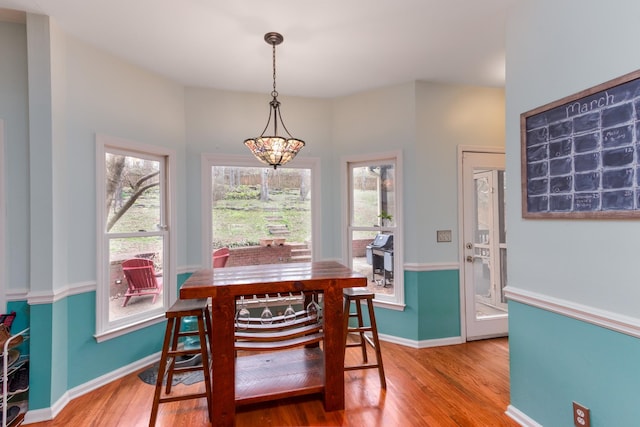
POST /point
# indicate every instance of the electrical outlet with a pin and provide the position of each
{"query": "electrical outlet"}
(581, 416)
(443, 235)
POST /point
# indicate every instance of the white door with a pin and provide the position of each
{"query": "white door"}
(484, 249)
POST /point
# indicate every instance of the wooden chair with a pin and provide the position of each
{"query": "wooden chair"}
(356, 295)
(141, 279)
(220, 257)
(199, 308)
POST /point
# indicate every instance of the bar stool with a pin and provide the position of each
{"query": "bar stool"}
(357, 295)
(182, 308)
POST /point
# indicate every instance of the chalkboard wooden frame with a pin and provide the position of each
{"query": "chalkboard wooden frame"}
(580, 155)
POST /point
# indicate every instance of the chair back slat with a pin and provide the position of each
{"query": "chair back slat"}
(140, 274)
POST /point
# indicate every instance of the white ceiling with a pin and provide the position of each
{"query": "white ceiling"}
(331, 47)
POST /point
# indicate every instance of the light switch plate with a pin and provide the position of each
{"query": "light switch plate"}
(443, 236)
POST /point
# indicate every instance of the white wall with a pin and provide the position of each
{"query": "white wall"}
(107, 95)
(13, 109)
(555, 49)
(447, 116)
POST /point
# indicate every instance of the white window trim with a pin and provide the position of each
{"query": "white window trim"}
(105, 331)
(209, 160)
(395, 302)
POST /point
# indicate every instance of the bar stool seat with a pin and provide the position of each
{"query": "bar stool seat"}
(198, 308)
(357, 295)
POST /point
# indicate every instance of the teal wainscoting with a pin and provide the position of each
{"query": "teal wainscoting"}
(40, 349)
(64, 352)
(556, 360)
(182, 277)
(432, 307)
(90, 359)
(21, 321)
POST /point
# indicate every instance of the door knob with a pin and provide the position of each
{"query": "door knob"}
(469, 258)
(469, 246)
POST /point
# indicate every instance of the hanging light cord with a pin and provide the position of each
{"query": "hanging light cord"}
(274, 93)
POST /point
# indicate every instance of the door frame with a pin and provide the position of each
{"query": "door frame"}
(461, 250)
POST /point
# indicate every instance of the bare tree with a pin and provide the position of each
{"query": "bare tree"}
(264, 185)
(116, 177)
(114, 168)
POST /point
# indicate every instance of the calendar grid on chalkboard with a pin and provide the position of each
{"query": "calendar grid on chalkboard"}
(581, 155)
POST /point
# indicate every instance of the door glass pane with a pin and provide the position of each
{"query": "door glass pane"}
(502, 205)
(489, 270)
(482, 249)
(262, 215)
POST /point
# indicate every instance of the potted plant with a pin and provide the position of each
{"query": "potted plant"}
(385, 218)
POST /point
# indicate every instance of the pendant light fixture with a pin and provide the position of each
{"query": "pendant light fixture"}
(274, 150)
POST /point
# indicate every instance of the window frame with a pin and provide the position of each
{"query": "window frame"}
(396, 301)
(105, 329)
(209, 160)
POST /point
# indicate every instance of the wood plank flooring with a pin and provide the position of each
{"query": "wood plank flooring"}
(460, 385)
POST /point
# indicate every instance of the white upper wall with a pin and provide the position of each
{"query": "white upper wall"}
(14, 112)
(555, 49)
(448, 116)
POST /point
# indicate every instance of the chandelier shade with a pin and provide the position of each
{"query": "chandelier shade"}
(274, 150)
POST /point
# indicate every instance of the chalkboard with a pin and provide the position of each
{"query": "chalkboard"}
(581, 155)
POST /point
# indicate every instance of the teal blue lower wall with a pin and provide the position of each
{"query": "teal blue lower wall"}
(91, 359)
(40, 349)
(432, 307)
(64, 352)
(556, 360)
(23, 314)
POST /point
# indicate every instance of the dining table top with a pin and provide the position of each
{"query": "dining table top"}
(290, 277)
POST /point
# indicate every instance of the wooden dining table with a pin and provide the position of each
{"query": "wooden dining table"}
(281, 374)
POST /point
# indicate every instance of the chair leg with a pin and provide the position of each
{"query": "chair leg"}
(204, 354)
(161, 370)
(345, 325)
(365, 340)
(376, 344)
(177, 324)
(170, 352)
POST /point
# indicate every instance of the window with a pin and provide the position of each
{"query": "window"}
(134, 261)
(373, 242)
(263, 215)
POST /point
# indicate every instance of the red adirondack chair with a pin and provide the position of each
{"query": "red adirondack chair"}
(141, 279)
(220, 257)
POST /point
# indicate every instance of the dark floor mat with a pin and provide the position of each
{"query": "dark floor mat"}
(150, 375)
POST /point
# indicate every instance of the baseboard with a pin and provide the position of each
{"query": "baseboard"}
(47, 414)
(439, 342)
(520, 417)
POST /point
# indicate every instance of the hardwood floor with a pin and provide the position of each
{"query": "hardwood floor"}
(460, 385)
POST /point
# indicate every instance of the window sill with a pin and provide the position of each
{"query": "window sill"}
(389, 305)
(123, 330)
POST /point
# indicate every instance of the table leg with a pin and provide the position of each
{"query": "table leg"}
(223, 361)
(333, 350)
